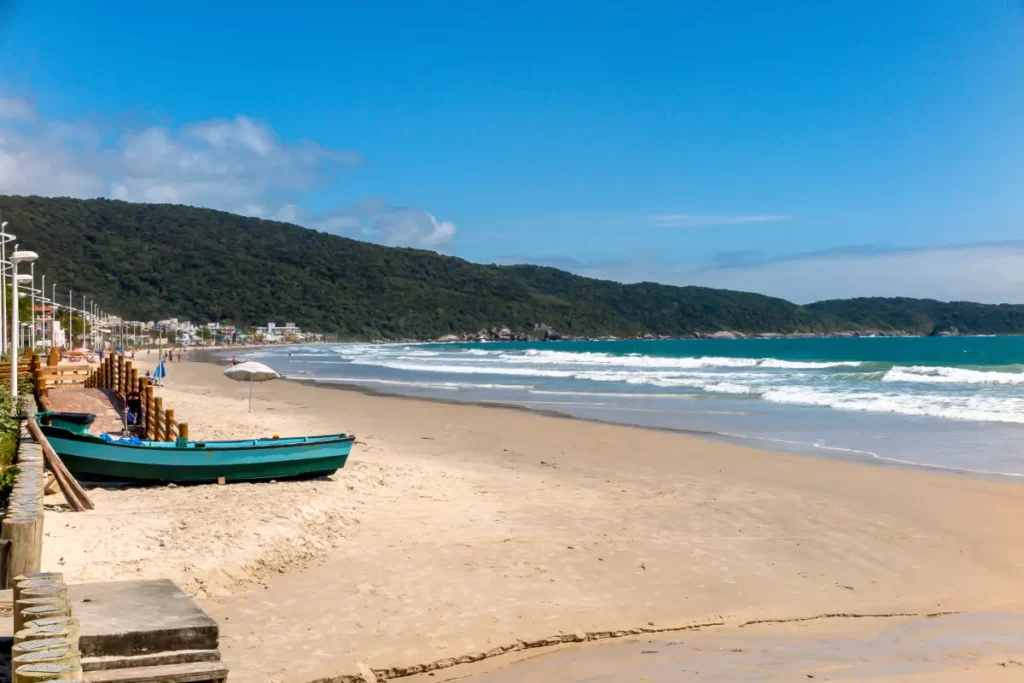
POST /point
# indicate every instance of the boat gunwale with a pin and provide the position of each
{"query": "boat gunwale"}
(265, 444)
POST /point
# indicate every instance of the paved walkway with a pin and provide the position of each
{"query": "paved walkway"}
(104, 403)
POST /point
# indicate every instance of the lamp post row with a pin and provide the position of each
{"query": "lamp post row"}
(10, 332)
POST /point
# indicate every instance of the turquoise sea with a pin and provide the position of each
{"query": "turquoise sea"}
(954, 403)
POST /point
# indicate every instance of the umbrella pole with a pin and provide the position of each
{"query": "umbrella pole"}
(250, 395)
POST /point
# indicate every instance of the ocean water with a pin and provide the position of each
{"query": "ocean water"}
(953, 403)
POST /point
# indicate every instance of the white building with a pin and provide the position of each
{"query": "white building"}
(272, 334)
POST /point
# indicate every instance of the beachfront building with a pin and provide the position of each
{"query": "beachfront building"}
(272, 334)
(48, 330)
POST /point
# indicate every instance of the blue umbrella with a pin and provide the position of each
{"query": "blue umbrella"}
(160, 371)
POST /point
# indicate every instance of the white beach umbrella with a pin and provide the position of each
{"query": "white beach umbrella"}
(251, 371)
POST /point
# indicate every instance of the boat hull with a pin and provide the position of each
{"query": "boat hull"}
(91, 458)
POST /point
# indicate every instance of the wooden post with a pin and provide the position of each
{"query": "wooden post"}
(65, 661)
(183, 431)
(38, 380)
(150, 414)
(24, 531)
(169, 425)
(140, 386)
(158, 422)
(24, 581)
(126, 377)
(39, 608)
(54, 357)
(39, 385)
(48, 671)
(67, 630)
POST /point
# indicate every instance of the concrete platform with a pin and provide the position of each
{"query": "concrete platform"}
(129, 619)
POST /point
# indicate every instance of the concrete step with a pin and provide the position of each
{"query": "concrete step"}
(149, 659)
(196, 672)
(128, 618)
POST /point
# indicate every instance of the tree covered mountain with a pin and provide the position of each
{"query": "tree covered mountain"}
(152, 261)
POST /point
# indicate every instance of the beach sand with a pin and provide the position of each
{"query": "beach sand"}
(456, 531)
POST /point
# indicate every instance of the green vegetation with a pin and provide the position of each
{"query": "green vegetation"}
(924, 316)
(150, 261)
(9, 430)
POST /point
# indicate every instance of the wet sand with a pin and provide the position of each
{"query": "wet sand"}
(957, 647)
(458, 531)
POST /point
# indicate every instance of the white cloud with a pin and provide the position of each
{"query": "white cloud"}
(233, 165)
(413, 226)
(372, 219)
(15, 109)
(683, 220)
(987, 273)
(239, 165)
(58, 156)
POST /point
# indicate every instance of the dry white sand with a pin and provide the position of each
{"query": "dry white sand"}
(455, 530)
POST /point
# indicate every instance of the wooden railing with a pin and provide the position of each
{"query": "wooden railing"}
(117, 375)
(61, 376)
(25, 368)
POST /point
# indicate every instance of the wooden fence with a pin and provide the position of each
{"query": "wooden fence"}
(25, 368)
(119, 377)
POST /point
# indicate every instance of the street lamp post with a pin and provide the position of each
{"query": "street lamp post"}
(53, 319)
(42, 304)
(3, 285)
(32, 304)
(16, 258)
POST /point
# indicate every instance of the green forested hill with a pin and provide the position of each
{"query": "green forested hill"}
(150, 261)
(926, 316)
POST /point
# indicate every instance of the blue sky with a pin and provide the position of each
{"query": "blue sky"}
(803, 149)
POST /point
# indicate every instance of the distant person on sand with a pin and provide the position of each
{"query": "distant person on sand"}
(101, 355)
(234, 360)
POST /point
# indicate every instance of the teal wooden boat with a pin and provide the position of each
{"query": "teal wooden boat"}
(93, 457)
(78, 423)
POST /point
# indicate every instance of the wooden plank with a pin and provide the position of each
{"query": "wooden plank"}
(62, 372)
(193, 672)
(73, 493)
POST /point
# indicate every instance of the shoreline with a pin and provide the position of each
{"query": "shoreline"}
(810, 450)
(457, 530)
